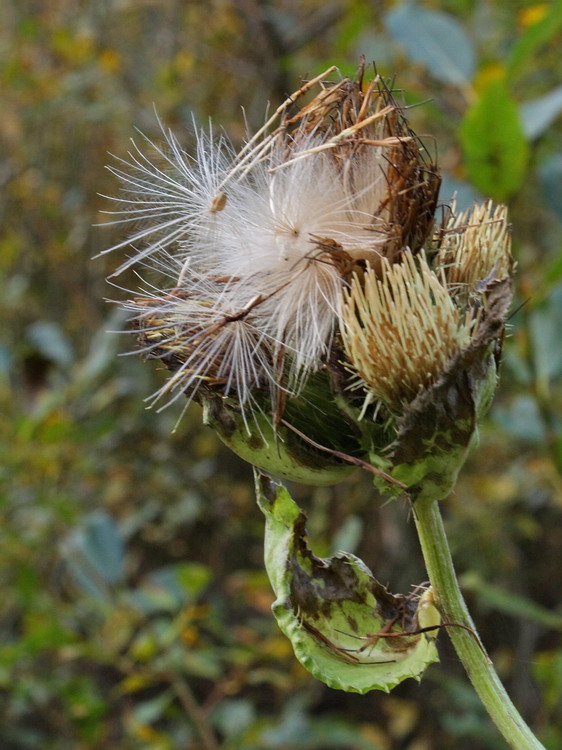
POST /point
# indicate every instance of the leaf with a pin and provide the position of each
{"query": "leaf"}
(503, 600)
(538, 114)
(493, 142)
(297, 730)
(548, 672)
(326, 607)
(553, 271)
(152, 709)
(172, 586)
(434, 39)
(5, 361)
(463, 193)
(50, 341)
(536, 36)
(95, 554)
(545, 325)
(102, 350)
(520, 419)
(233, 716)
(348, 535)
(550, 177)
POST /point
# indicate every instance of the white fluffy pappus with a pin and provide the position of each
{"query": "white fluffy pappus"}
(207, 338)
(259, 241)
(168, 196)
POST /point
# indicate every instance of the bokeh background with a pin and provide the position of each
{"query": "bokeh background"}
(134, 607)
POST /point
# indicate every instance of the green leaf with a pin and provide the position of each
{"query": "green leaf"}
(348, 535)
(536, 36)
(297, 730)
(327, 607)
(172, 587)
(102, 349)
(553, 271)
(493, 142)
(538, 114)
(435, 39)
(151, 710)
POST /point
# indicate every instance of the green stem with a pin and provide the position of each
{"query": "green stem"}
(453, 609)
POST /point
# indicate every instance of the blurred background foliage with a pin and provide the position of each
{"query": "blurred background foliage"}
(134, 604)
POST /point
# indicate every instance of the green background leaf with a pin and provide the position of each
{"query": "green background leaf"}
(493, 142)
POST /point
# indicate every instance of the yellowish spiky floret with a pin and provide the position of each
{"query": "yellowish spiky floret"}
(401, 328)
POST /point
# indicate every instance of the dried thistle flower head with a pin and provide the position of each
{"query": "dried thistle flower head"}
(304, 295)
(256, 247)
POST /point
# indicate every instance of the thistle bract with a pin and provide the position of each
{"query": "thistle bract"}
(306, 295)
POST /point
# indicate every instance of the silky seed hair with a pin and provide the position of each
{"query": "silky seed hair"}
(206, 339)
(264, 241)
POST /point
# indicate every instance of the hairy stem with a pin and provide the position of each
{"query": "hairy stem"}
(453, 609)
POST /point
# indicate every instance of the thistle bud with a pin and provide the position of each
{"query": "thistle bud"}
(400, 329)
(425, 340)
(306, 299)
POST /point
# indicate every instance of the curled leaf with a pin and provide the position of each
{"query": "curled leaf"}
(345, 627)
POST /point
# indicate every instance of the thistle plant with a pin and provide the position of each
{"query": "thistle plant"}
(324, 309)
